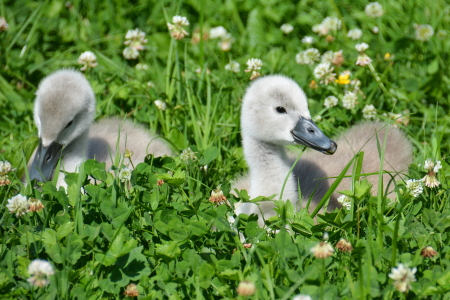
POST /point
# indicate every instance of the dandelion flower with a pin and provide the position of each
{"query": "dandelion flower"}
(287, 28)
(176, 29)
(40, 270)
(88, 60)
(430, 179)
(308, 57)
(403, 276)
(308, 40)
(302, 297)
(246, 288)
(233, 66)
(135, 38)
(322, 250)
(131, 291)
(345, 201)
(428, 251)
(18, 205)
(125, 174)
(344, 246)
(3, 24)
(361, 47)
(160, 104)
(423, 32)
(253, 65)
(374, 10)
(330, 101)
(217, 197)
(414, 187)
(349, 100)
(363, 60)
(217, 32)
(355, 34)
(188, 154)
(324, 72)
(343, 79)
(369, 111)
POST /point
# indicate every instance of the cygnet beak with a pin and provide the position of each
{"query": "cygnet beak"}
(308, 134)
(45, 161)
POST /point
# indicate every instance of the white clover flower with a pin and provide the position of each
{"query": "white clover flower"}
(403, 276)
(361, 47)
(246, 288)
(5, 167)
(374, 10)
(345, 201)
(302, 297)
(324, 72)
(430, 179)
(130, 53)
(125, 174)
(287, 28)
(141, 67)
(355, 34)
(322, 250)
(330, 101)
(88, 60)
(226, 41)
(160, 104)
(233, 66)
(135, 38)
(253, 65)
(40, 270)
(441, 33)
(317, 118)
(355, 84)
(308, 57)
(327, 57)
(414, 187)
(180, 21)
(350, 100)
(328, 24)
(176, 29)
(3, 24)
(423, 32)
(188, 154)
(18, 205)
(375, 29)
(217, 197)
(150, 84)
(369, 112)
(332, 23)
(363, 60)
(308, 40)
(217, 32)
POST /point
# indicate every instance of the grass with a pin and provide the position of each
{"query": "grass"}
(169, 239)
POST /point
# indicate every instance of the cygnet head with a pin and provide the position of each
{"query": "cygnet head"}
(63, 111)
(275, 111)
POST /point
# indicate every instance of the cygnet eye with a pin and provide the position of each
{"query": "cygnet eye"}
(281, 110)
(68, 124)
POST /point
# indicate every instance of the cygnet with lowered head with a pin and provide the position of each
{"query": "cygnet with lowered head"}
(64, 111)
(275, 114)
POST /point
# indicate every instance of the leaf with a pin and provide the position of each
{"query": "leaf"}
(64, 230)
(209, 155)
(168, 250)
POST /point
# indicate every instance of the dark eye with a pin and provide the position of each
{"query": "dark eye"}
(68, 124)
(281, 110)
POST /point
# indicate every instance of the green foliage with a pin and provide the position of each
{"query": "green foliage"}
(159, 230)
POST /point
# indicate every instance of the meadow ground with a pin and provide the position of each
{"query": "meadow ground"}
(151, 239)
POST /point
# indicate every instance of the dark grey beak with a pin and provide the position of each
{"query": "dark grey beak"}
(308, 134)
(45, 161)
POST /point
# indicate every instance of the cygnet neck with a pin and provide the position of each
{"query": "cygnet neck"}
(269, 166)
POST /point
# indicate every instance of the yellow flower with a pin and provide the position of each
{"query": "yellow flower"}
(343, 79)
(387, 56)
